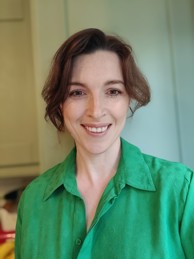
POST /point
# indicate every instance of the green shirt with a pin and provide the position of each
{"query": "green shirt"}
(145, 212)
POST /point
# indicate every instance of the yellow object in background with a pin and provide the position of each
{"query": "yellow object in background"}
(7, 250)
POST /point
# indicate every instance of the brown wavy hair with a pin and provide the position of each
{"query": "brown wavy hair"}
(56, 88)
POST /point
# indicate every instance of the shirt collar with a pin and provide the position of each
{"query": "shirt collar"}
(63, 175)
(132, 170)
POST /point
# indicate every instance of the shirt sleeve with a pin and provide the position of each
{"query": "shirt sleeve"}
(187, 224)
(18, 232)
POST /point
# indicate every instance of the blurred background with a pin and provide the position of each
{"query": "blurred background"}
(161, 33)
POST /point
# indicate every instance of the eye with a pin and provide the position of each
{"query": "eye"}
(76, 93)
(114, 92)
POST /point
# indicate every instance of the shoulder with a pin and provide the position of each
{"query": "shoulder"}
(170, 177)
(165, 174)
(53, 176)
(43, 178)
(45, 184)
(162, 167)
(37, 187)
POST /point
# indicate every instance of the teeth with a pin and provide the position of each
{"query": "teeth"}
(97, 130)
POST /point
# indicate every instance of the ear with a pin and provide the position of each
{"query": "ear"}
(61, 110)
(61, 107)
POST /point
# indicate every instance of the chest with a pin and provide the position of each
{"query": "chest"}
(91, 196)
(125, 226)
(91, 200)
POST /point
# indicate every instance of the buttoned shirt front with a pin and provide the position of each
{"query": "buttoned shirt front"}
(146, 211)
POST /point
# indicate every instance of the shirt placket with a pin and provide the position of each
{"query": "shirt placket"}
(79, 225)
(108, 198)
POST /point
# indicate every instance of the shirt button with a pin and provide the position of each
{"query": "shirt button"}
(78, 241)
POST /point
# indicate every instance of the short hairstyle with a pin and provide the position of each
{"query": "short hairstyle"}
(56, 88)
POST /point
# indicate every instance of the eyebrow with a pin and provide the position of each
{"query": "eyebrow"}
(109, 82)
(76, 83)
(114, 82)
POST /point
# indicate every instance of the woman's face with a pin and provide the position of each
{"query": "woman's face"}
(96, 109)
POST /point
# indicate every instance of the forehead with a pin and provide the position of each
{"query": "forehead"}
(98, 63)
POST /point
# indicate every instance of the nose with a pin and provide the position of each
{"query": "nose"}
(96, 107)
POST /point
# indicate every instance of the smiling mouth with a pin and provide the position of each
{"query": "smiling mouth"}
(97, 129)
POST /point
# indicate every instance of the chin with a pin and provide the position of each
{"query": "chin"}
(95, 149)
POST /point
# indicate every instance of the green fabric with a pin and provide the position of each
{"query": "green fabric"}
(146, 211)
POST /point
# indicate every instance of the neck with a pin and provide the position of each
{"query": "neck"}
(95, 168)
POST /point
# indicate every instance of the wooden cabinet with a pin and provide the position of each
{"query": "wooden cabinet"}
(18, 117)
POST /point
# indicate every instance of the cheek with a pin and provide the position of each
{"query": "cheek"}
(120, 118)
(122, 111)
(66, 111)
(71, 113)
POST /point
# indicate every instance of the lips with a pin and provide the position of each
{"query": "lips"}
(96, 129)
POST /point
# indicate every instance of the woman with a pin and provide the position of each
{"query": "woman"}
(107, 199)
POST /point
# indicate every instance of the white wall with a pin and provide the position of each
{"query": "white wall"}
(181, 18)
